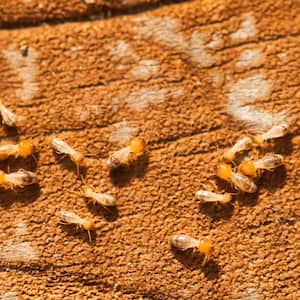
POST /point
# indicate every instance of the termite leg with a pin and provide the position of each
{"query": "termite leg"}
(89, 234)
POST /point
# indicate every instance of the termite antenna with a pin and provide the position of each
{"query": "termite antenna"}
(89, 234)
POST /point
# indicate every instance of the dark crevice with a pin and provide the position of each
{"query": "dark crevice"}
(100, 12)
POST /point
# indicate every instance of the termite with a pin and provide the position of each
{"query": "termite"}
(23, 149)
(100, 198)
(208, 196)
(127, 155)
(241, 145)
(184, 242)
(62, 147)
(277, 131)
(20, 179)
(238, 180)
(87, 224)
(254, 167)
(8, 117)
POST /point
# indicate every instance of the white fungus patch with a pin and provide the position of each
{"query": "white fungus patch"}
(198, 52)
(249, 294)
(27, 71)
(122, 133)
(138, 100)
(249, 89)
(145, 69)
(247, 28)
(122, 50)
(250, 58)
(218, 78)
(15, 251)
(21, 229)
(11, 295)
(216, 42)
(115, 104)
(163, 30)
(168, 32)
(243, 94)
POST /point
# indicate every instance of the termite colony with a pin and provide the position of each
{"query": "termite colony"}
(243, 174)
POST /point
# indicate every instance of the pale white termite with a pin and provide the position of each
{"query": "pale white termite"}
(61, 147)
(208, 196)
(268, 162)
(23, 149)
(241, 145)
(8, 117)
(100, 198)
(126, 155)
(277, 131)
(20, 179)
(87, 224)
(184, 242)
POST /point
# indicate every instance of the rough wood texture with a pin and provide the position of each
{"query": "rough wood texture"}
(180, 76)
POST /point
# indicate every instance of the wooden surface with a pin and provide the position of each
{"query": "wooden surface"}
(189, 78)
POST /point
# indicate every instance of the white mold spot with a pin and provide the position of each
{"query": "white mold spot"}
(216, 42)
(115, 104)
(163, 30)
(243, 94)
(14, 251)
(145, 69)
(122, 50)
(249, 89)
(198, 51)
(21, 229)
(138, 100)
(11, 295)
(167, 31)
(218, 78)
(247, 28)
(27, 71)
(122, 133)
(250, 58)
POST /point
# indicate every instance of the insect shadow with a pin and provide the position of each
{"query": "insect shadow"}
(109, 213)
(193, 261)
(273, 181)
(284, 145)
(217, 211)
(11, 131)
(81, 234)
(26, 195)
(122, 175)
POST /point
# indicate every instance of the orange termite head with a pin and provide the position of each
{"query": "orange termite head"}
(137, 146)
(227, 197)
(205, 247)
(258, 140)
(228, 155)
(89, 224)
(80, 159)
(224, 171)
(26, 148)
(2, 177)
(247, 167)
